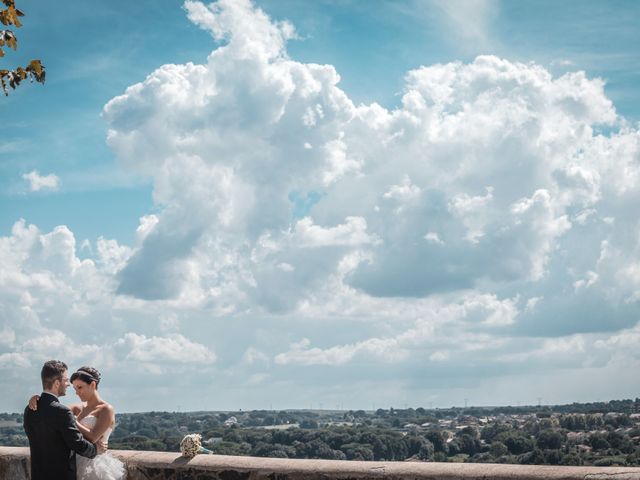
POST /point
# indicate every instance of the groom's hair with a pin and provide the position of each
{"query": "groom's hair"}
(52, 371)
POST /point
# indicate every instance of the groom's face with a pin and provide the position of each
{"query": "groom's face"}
(64, 383)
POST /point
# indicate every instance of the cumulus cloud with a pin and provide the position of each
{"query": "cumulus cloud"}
(301, 354)
(175, 348)
(352, 233)
(426, 339)
(474, 224)
(39, 182)
(626, 340)
(251, 30)
(433, 237)
(482, 179)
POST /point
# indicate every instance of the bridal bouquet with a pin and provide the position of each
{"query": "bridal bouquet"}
(191, 445)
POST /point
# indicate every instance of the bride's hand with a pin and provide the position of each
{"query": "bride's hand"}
(101, 446)
(33, 402)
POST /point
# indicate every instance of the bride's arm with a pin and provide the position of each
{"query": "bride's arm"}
(33, 402)
(75, 408)
(84, 431)
(105, 419)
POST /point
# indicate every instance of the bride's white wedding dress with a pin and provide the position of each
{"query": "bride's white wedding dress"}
(103, 466)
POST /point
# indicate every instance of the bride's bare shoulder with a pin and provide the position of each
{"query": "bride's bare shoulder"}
(105, 408)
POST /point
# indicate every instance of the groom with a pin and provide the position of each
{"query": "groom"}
(53, 436)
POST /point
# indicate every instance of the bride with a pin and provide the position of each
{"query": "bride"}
(95, 419)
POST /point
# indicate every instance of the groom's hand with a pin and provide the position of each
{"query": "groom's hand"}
(101, 446)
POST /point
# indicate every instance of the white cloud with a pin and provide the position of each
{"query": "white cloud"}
(422, 138)
(544, 226)
(174, 348)
(433, 237)
(146, 226)
(13, 360)
(7, 337)
(494, 312)
(39, 182)
(112, 255)
(573, 344)
(253, 355)
(406, 191)
(532, 302)
(338, 162)
(472, 212)
(301, 354)
(439, 356)
(286, 267)
(497, 157)
(248, 29)
(592, 277)
(628, 339)
(583, 216)
(351, 233)
(425, 333)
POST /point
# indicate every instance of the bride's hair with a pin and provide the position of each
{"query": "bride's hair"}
(87, 375)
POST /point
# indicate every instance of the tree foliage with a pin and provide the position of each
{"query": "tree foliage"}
(575, 435)
(9, 16)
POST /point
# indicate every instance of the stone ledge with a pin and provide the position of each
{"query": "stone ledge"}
(171, 466)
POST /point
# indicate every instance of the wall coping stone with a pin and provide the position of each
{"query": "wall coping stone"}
(161, 465)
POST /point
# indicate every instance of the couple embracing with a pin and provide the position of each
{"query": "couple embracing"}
(57, 433)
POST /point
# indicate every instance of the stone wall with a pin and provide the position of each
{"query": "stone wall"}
(14, 465)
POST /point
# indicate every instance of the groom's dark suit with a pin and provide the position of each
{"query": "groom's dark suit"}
(54, 440)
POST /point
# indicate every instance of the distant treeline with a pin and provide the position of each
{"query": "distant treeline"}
(601, 433)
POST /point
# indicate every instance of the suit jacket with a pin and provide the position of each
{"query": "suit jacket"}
(54, 440)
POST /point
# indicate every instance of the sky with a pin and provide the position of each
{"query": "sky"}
(330, 204)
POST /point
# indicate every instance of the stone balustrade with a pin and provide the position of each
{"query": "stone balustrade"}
(14, 465)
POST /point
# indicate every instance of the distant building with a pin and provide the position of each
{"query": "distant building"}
(411, 426)
(581, 448)
(577, 437)
(231, 421)
(212, 441)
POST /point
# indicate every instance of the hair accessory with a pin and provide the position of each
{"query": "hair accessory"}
(84, 376)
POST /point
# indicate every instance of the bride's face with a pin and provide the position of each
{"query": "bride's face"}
(84, 390)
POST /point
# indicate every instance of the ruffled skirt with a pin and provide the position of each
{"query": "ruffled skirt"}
(102, 467)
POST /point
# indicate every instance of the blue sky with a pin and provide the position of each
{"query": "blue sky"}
(421, 200)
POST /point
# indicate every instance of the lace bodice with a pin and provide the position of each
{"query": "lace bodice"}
(90, 422)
